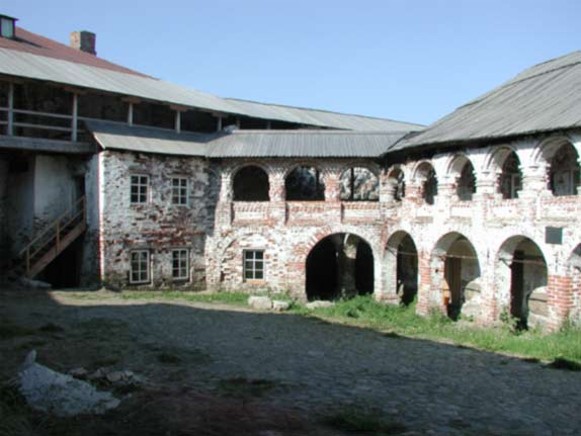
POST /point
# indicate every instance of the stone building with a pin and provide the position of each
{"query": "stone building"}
(110, 176)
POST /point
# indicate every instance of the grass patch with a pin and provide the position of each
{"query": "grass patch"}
(241, 387)
(393, 321)
(363, 420)
(236, 298)
(14, 412)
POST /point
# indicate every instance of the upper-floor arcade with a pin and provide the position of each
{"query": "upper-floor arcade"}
(540, 175)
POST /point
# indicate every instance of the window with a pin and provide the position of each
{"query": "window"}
(179, 191)
(180, 264)
(7, 26)
(139, 187)
(253, 265)
(139, 272)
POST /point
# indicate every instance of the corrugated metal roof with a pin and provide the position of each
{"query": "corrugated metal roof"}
(315, 117)
(120, 136)
(302, 143)
(243, 143)
(51, 61)
(546, 97)
(29, 42)
(21, 64)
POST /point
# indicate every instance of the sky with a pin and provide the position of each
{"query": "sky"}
(408, 60)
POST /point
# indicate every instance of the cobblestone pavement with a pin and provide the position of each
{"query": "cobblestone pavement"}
(318, 367)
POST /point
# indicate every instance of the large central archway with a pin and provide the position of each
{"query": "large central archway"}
(340, 265)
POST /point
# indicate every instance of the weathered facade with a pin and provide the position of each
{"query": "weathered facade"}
(108, 176)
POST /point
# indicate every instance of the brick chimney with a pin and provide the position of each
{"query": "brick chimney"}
(84, 41)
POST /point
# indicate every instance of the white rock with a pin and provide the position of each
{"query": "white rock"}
(280, 306)
(319, 304)
(261, 303)
(60, 394)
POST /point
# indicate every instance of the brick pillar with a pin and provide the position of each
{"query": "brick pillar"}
(534, 182)
(413, 192)
(332, 187)
(559, 299)
(277, 192)
(447, 189)
(424, 283)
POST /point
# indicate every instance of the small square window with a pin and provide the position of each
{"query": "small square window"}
(139, 267)
(179, 191)
(254, 265)
(139, 189)
(180, 261)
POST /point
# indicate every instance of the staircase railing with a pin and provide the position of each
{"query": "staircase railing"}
(54, 238)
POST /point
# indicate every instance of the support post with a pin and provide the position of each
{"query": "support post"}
(130, 114)
(178, 121)
(10, 127)
(75, 119)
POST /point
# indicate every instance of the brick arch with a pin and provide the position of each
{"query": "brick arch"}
(456, 163)
(252, 187)
(400, 267)
(287, 169)
(455, 272)
(573, 299)
(519, 256)
(544, 151)
(496, 157)
(420, 169)
(328, 230)
(336, 266)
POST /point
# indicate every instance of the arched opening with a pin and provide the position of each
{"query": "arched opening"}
(396, 181)
(304, 184)
(564, 171)
(456, 258)
(339, 266)
(510, 179)
(466, 182)
(429, 183)
(522, 274)
(401, 265)
(575, 269)
(251, 184)
(359, 184)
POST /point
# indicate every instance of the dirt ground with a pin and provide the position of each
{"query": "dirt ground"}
(210, 369)
(166, 401)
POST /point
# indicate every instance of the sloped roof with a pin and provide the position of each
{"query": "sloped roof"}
(35, 57)
(242, 143)
(545, 97)
(302, 143)
(317, 117)
(121, 136)
(32, 43)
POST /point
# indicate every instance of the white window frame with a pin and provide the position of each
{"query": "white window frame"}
(253, 265)
(139, 268)
(182, 270)
(180, 192)
(139, 183)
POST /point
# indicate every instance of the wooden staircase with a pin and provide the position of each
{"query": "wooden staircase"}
(55, 238)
